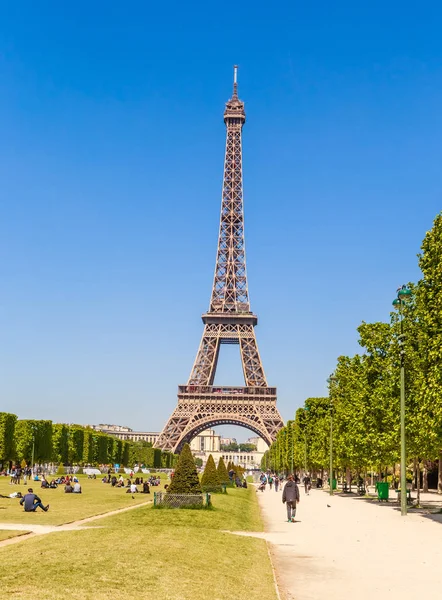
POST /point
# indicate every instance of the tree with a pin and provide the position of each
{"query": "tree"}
(125, 454)
(88, 447)
(60, 443)
(141, 453)
(223, 474)
(232, 447)
(31, 434)
(429, 308)
(185, 479)
(210, 481)
(247, 447)
(76, 444)
(198, 461)
(7, 436)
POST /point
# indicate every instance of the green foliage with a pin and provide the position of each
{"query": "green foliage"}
(125, 454)
(210, 481)
(223, 474)
(88, 447)
(60, 443)
(246, 447)
(364, 400)
(76, 444)
(232, 447)
(185, 479)
(156, 458)
(7, 437)
(141, 453)
(31, 434)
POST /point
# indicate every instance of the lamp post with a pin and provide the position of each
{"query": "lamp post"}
(32, 459)
(403, 295)
(331, 381)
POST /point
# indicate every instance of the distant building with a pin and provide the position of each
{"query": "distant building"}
(227, 441)
(127, 434)
(261, 445)
(206, 441)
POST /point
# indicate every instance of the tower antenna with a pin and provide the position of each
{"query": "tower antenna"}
(235, 80)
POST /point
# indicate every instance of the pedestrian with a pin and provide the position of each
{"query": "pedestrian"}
(32, 502)
(307, 484)
(290, 496)
(276, 483)
(270, 481)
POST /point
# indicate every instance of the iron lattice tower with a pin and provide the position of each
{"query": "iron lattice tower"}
(229, 321)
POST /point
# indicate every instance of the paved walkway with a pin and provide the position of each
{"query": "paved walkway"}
(35, 529)
(348, 547)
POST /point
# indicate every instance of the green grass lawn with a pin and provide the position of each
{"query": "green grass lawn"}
(96, 498)
(148, 553)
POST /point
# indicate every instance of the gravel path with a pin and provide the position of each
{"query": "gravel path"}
(349, 547)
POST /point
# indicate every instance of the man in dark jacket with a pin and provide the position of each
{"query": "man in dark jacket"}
(32, 502)
(290, 496)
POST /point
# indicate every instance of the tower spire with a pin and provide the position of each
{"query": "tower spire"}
(235, 81)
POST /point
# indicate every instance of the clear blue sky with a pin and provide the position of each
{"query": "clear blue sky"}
(111, 153)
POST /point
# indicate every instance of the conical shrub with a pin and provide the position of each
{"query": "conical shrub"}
(210, 481)
(185, 479)
(223, 475)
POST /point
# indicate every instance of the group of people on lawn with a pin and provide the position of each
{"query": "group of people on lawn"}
(131, 483)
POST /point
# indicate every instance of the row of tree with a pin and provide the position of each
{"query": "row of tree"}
(42, 441)
(234, 447)
(364, 395)
(186, 481)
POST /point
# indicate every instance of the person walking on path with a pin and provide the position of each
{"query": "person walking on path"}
(290, 496)
(276, 483)
(32, 502)
(270, 482)
(307, 484)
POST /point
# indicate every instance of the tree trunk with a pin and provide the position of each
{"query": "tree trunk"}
(439, 478)
(415, 484)
(418, 482)
(425, 478)
(348, 477)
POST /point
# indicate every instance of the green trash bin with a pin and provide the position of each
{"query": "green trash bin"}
(383, 488)
(335, 483)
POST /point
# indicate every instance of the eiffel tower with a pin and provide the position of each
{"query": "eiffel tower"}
(201, 404)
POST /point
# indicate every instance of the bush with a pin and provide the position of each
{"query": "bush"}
(185, 479)
(223, 475)
(210, 481)
(60, 470)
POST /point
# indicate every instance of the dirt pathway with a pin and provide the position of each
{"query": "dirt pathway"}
(346, 546)
(44, 529)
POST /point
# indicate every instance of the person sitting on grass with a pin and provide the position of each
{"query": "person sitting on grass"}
(32, 502)
(44, 483)
(53, 484)
(68, 489)
(77, 488)
(133, 489)
(146, 487)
